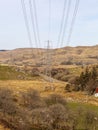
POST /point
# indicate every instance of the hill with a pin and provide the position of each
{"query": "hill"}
(67, 56)
(19, 81)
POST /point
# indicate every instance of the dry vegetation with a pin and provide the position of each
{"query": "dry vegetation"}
(3, 128)
(64, 56)
(29, 111)
(29, 102)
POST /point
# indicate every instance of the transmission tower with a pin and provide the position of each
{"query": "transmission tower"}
(48, 59)
(48, 66)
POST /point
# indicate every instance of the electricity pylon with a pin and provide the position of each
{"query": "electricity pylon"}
(48, 66)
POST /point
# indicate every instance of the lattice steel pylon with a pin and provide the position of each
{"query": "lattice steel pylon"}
(48, 67)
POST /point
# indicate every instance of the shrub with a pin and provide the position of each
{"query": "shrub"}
(31, 99)
(41, 119)
(90, 120)
(60, 116)
(67, 62)
(68, 88)
(7, 104)
(55, 99)
(35, 72)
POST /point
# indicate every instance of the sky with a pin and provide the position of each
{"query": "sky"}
(13, 33)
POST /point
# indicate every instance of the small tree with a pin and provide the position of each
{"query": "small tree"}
(94, 73)
(91, 86)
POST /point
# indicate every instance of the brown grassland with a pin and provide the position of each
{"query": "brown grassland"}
(69, 58)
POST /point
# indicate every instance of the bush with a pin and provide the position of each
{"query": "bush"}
(35, 113)
(68, 88)
(35, 72)
(32, 100)
(7, 104)
(41, 119)
(60, 117)
(67, 62)
(90, 120)
(55, 99)
(11, 115)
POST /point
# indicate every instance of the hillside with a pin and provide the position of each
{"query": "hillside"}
(81, 55)
(12, 73)
(27, 93)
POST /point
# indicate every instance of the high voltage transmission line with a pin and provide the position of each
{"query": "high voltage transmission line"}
(26, 21)
(36, 21)
(49, 28)
(73, 21)
(63, 26)
(66, 14)
(66, 21)
(32, 19)
(62, 21)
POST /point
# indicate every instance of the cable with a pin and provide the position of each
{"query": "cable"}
(36, 19)
(49, 28)
(26, 21)
(66, 21)
(32, 19)
(73, 21)
(62, 21)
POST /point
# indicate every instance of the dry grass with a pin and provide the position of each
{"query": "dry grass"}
(23, 86)
(31, 57)
(40, 86)
(78, 54)
(3, 128)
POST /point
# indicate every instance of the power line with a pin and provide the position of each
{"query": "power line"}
(73, 21)
(49, 28)
(36, 21)
(66, 21)
(26, 21)
(32, 19)
(62, 21)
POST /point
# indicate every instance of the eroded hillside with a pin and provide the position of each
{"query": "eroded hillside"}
(64, 56)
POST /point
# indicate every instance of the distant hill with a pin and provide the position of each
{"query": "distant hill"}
(3, 50)
(67, 56)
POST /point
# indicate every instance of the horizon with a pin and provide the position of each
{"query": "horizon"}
(50, 48)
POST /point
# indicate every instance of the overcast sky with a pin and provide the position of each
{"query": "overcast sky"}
(13, 33)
